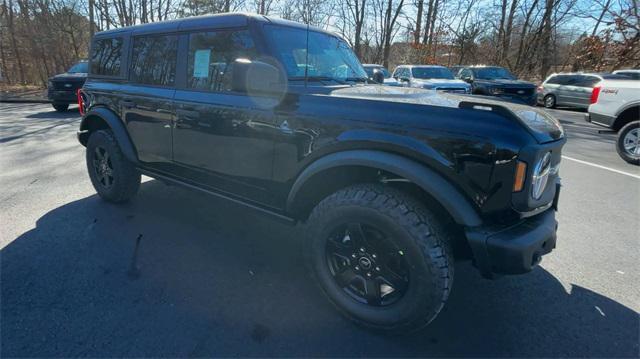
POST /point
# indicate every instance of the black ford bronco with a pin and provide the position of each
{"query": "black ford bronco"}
(391, 184)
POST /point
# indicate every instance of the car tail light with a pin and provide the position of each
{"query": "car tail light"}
(540, 89)
(81, 101)
(595, 93)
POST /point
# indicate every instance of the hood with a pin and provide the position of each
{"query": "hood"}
(542, 126)
(507, 83)
(444, 83)
(70, 76)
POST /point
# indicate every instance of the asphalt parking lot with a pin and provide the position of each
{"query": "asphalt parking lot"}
(174, 273)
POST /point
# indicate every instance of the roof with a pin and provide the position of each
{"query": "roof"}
(372, 65)
(226, 20)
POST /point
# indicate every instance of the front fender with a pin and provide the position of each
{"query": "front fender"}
(430, 181)
(104, 116)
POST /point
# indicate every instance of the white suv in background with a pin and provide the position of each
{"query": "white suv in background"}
(616, 104)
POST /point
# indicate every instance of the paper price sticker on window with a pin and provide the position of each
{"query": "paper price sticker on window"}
(201, 63)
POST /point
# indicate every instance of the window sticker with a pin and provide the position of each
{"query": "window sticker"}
(201, 63)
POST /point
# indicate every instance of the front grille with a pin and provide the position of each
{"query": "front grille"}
(62, 85)
(519, 91)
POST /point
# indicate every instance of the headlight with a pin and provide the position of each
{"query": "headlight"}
(540, 176)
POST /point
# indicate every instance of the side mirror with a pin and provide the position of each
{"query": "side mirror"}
(467, 79)
(257, 78)
(378, 76)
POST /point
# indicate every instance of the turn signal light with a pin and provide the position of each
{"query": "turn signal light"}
(521, 171)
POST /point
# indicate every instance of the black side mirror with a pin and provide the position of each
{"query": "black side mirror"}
(378, 76)
(257, 78)
(467, 79)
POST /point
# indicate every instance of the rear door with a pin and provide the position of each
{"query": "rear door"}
(147, 103)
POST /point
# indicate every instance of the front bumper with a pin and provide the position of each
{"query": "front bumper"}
(514, 249)
(62, 96)
(527, 100)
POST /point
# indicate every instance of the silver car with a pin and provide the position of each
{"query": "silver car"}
(570, 89)
(430, 77)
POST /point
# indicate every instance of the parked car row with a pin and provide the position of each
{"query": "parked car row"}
(561, 89)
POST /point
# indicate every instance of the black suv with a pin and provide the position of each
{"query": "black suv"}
(62, 89)
(499, 82)
(391, 184)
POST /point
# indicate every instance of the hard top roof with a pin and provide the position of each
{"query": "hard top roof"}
(227, 20)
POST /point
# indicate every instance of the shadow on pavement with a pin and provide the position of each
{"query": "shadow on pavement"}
(175, 273)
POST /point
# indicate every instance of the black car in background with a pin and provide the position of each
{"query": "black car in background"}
(389, 184)
(499, 82)
(62, 88)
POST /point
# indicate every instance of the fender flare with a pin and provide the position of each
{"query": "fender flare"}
(430, 181)
(117, 127)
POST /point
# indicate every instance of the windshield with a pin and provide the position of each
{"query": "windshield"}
(80, 67)
(385, 72)
(328, 57)
(431, 73)
(493, 73)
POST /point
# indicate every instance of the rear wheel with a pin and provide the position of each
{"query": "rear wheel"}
(380, 257)
(628, 144)
(549, 101)
(61, 107)
(112, 175)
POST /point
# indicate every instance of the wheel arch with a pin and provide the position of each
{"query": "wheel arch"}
(628, 114)
(101, 118)
(355, 166)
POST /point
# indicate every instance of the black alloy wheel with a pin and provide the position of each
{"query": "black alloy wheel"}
(366, 265)
(103, 167)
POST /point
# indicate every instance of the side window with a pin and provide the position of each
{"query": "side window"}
(153, 60)
(211, 58)
(106, 56)
(587, 81)
(553, 80)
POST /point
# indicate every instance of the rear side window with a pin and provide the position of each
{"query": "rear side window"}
(106, 57)
(587, 81)
(211, 58)
(554, 80)
(153, 60)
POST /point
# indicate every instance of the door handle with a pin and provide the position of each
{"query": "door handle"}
(128, 104)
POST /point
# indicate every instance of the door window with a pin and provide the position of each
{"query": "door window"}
(106, 56)
(212, 55)
(587, 81)
(153, 60)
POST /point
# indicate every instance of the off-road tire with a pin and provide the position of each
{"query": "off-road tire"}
(634, 160)
(61, 107)
(415, 228)
(549, 101)
(125, 179)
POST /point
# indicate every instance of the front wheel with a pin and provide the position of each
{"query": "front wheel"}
(628, 143)
(112, 175)
(380, 257)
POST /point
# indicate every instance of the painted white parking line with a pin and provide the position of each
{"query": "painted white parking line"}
(603, 167)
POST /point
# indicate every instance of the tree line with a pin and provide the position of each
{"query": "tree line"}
(532, 38)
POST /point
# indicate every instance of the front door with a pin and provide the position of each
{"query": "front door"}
(222, 138)
(147, 99)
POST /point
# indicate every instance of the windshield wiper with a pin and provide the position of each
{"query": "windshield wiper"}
(356, 79)
(316, 78)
